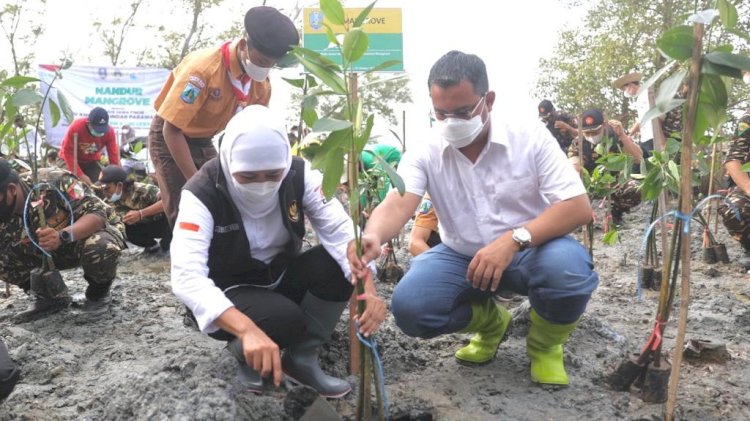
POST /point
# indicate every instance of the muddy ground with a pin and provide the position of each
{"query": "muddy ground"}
(141, 362)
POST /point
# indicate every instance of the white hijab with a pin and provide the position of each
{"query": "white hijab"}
(254, 140)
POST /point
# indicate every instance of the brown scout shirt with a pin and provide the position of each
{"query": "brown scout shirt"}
(198, 98)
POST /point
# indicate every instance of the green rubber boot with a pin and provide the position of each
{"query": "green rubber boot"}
(545, 348)
(490, 322)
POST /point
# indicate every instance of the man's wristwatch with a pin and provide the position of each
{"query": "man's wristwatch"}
(66, 237)
(522, 237)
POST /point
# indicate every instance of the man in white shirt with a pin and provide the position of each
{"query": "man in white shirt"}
(506, 198)
(630, 85)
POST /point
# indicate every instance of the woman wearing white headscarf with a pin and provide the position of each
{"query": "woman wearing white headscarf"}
(236, 260)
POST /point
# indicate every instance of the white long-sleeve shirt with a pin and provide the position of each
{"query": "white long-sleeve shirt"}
(189, 251)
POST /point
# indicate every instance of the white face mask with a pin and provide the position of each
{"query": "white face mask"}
(746, 78)
(628, 94)
(594, 139)
(259, 191)
(459, 132)
(256, 73)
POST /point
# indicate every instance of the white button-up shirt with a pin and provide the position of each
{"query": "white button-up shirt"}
(642, 106)
(520, 173)
(189, 250)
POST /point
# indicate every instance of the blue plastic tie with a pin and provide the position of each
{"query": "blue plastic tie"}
(26, 213)
(370, 343)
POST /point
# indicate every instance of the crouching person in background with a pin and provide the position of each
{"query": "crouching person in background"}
(140, 207)
(237, 262)
(92, 242)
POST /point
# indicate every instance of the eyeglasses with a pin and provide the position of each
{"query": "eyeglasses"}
(461, 114)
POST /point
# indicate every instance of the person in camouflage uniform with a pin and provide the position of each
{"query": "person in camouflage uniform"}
(595, 131)
(93, 241)
(739, 190)
(562, 126)
(140, 207)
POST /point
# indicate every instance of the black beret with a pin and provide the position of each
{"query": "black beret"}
(272, 33)
(5, 169)
(592, 119)
(546, 107)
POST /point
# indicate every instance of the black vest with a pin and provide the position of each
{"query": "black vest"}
(229, 260)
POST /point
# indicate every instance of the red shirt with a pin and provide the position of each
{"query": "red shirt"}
(89, 147)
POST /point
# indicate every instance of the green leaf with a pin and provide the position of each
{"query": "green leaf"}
(332, 172)
(309, 116)
(286, 61)
(728, 59)
(674, 170)
(331, 125)
(713, 91)
(297, 83)
(745, 167)
(727, 13)
(724, 48)
(661, 108)
(18, 81)
(737, 32)
(55, 111)
(25, 97)
(396, 179)
(332, 39)
(383, 66)
(355, 45)
(656, 76)
(333, 11)
(363, 15)
(317, 58)
(311, 81)
(364, 137)
(62, 101)
(677, 42)
(669, 87)
(330, 78)
(717, 69)
(334, 140)
(610, 238)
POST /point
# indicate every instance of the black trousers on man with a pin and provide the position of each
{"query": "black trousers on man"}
(145, 234)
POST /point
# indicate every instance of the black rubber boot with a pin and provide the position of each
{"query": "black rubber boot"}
(247, 377)
(300, 362)
(744, 261)
(49, 295)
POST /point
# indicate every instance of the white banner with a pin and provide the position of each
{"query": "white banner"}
(127, 93)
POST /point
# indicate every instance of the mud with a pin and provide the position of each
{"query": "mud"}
(140, 361)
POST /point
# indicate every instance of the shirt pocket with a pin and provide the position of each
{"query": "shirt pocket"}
(517, 200)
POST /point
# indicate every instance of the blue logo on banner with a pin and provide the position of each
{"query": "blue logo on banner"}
(316, 20)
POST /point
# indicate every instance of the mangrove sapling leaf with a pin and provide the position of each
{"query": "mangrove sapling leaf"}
(333, 11)
(363, 15)
(728, 59)
(656, 76)
(746, 167)
(287, 61)
(727, 13)
(309, 115)
(24, 97)
(317, 58)
(328, 76)
(54, 112)
(718, 69)
(677, 43)
(356, 43)
(383, 66)
(297, 83)
(16, 82)
(396, 180)
(333, 40)
(674, 171)
(333, 171)
(330, 125)
(64, 105)
(611, 238)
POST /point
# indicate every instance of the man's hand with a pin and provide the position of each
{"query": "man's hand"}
(132, 217)
(85, 178)
(617, 127)
(375, 310)
(487, 266)
(561, 125)
(49, 239)
(370, 251)
(262, 354)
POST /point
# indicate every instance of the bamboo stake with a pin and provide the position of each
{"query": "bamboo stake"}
(686, 193)
(354, 210)
(659, 143)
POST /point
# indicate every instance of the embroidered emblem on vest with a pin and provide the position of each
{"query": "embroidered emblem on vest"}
(225, 229)
(293, 211)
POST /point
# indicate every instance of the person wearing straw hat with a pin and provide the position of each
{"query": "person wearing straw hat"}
(238, 264)
(630, 85)
(90, 238)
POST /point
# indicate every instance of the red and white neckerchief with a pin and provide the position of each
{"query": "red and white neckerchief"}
(240, 87)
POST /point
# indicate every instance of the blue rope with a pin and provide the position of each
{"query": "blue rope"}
(26, 213)
(370, 343)
(685, 229)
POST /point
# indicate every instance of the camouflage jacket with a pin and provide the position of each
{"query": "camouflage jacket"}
(590, 156)
(564, 138)
(140, 197)
(56, 212)
(672, 123)
(739, 150)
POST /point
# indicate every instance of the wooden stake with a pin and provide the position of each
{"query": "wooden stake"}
(354, 211)
(659, 144)
(584, 228)
(686, 192)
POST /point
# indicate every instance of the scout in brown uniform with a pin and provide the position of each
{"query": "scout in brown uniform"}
(205, 90)
(139, 206)
(739, 192)
(93, 241)
(596, 131)
(424, 234)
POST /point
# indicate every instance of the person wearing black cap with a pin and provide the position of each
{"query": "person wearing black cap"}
(140, 207)
(94, 134)
(611, 134)
(560, 124)
(91, 238)
(739, 192)
(205, 90)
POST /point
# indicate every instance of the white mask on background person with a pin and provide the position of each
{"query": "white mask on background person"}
(628, 94)
(258, 191)
(594, 139)
(746, 78)
(256, 73)
(116, 196)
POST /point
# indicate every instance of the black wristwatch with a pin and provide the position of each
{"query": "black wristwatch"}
(66, 237)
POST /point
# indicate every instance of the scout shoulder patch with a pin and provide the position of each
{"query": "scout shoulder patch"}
(293, 211)
(425, 206)
(190, 93)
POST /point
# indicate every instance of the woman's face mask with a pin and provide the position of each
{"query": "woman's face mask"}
(260, 191)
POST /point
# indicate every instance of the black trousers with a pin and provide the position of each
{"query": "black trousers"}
(145, 234)
(277, 311)
(91, 169)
